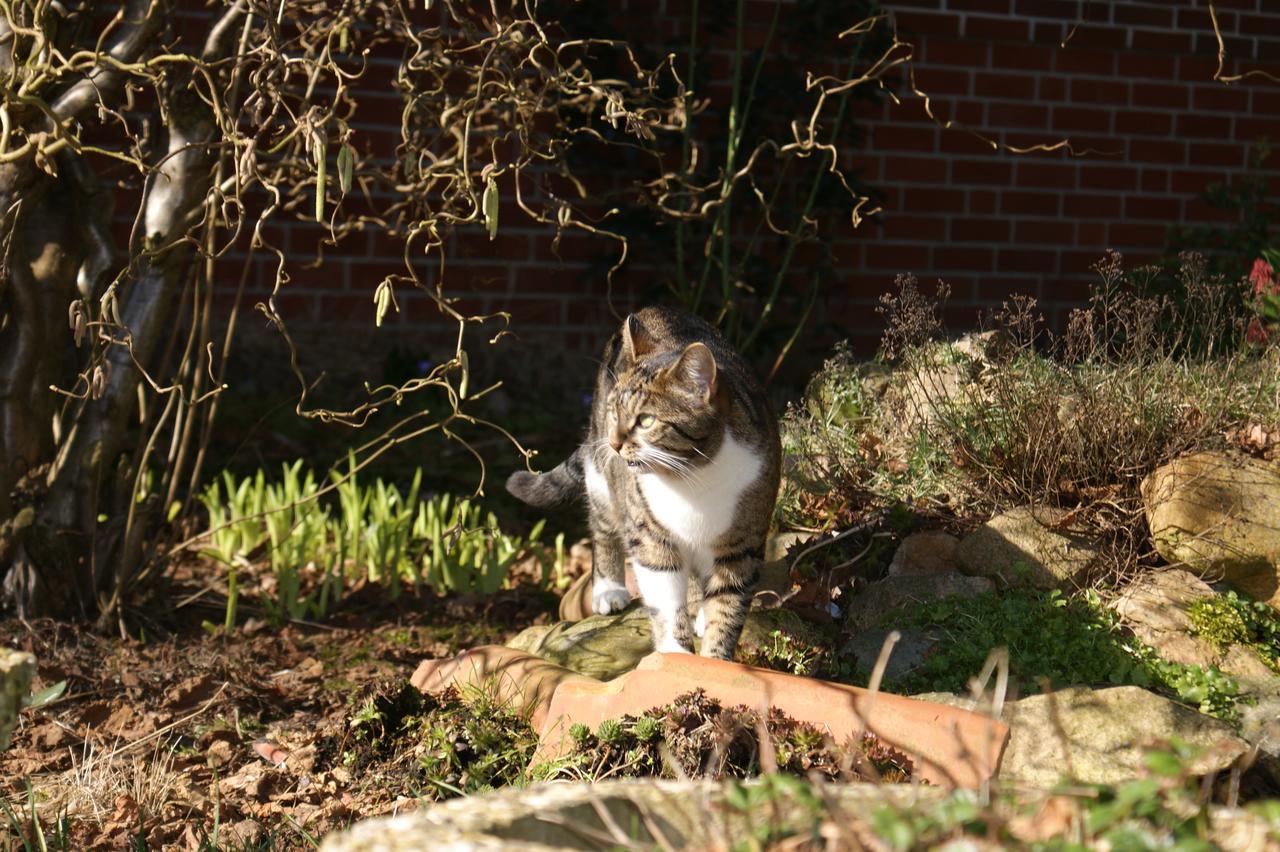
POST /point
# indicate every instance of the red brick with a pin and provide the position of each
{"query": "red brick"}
(1022, 57)
(950, 51)
(1098, 177)
(1197, 210)
(1099, 92)
(1052, 89)
(1047, 33)
(1158, 41)
(959, 140)
(899, 258)
(915, 169)
(1154, 180)
(905, 227)
(1123, 234)
(1041, 203)
(982, 201)
(1203, 126)
(1162, 208)
(1014, 86)
(1190, 182)
(1028, 260)
(1091, 234)
(996, 29)
(1261, 26)
(1159, 17)
(890, 137)
(1147, 65)
(1091, 206)
(1197, 69)
(1210, 154)
(980, 230)
(1073, 60)
(1041, 231)
(942, 81)
(1144, 123)
(927, 23)
(1045, 174)
(1016, 115)
(1160, 95)
(1220, 97)
(1253, 129)
(1157, 151)
(994, 7)
(1068, 10)
(1078, 118)
(965, 259)
(1098, 36)
(981, 171)
(933, 200)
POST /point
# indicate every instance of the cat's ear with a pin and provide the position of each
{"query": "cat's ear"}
(696, 370)
(636, 340)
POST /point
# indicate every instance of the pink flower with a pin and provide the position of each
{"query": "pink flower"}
(1263, 278)
(1256, 332)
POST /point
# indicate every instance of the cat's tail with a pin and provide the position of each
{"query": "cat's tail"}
(545, 490)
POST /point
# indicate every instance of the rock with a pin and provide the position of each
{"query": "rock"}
(1156, 608)
(1097, 736)
(777, 545)
(599, 646)
(1218, 514)
(1020, 546)
(515, 679)
(908, 654)
(605, 646)
(950, 747)
(1260, 727)
(636, 813)
(16, 671)
(928, 552)
(879, 598)
(575, 605)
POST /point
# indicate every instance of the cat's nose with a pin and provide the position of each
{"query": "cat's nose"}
(616, 441)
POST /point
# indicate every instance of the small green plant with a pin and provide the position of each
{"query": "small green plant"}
(316, 547)
(1228, 619)
(1064, 641)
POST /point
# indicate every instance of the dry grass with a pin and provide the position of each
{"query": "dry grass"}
(1021, 416)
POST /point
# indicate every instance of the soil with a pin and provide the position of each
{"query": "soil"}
(200, 740)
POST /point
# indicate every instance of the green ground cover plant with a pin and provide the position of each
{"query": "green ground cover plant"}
(314, 548)
(1053, 641)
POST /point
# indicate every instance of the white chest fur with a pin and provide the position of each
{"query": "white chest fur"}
(699, 509)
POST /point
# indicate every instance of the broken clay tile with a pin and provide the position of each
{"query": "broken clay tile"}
(951, 747)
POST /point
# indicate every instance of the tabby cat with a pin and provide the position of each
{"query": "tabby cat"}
(680, 468)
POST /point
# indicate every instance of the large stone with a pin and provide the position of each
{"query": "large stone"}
(1156, 608)
(1022, 546)
(907, 654)
(16, 671)
(608, 814)
(605, 646)
(928, 552)
(883, 596)
(599, 646)
(1099, 736)
(1218, 514)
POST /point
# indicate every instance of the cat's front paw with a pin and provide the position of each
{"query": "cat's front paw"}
(700, 623)
(608, 597)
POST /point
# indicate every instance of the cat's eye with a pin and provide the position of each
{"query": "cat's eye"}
(644, 421)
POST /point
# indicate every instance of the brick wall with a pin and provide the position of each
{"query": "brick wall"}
(1130, 84)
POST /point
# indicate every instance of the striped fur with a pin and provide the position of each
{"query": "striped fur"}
(680, 469)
